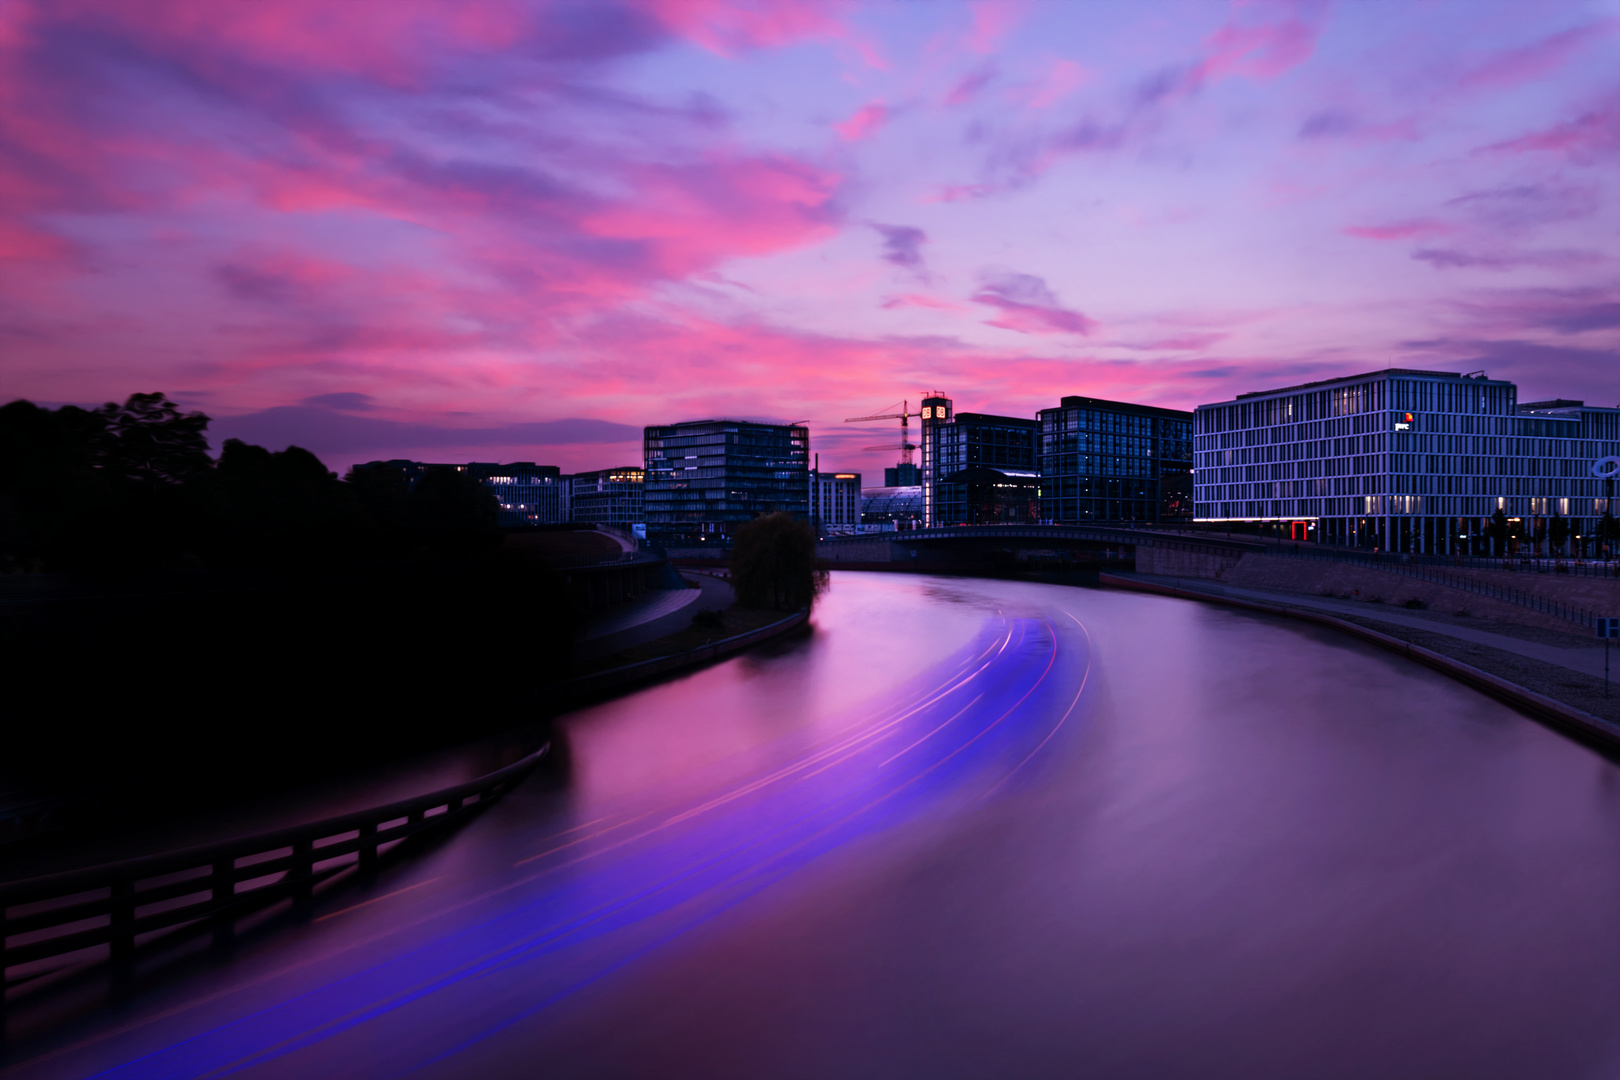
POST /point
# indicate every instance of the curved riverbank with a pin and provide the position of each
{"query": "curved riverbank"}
(1558, 714)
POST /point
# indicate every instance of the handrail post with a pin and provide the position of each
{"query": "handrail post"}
(121, 943)
(302, 872)
(220, 898)
(368, 847)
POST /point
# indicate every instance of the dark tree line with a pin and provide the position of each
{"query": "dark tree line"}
(131, 489)
(255, 612)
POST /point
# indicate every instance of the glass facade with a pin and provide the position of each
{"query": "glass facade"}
(1114, 461)
(706, 477)
(609, 496)
(529, 494)
(1402, 460)
(978, 469)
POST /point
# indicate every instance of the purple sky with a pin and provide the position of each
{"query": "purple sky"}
(520, 231)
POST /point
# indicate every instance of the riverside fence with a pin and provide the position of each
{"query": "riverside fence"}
(112, 911)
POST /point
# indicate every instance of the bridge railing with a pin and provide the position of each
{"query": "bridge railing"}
(107, 912)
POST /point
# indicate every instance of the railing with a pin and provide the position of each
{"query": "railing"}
(119, 907)
(1524, 564)
(1424, 572)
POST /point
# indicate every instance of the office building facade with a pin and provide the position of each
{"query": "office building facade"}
(529, 494)
(835, 502)
(978, 469)
(613, 497)
(1402, 460)
(1116, 462)
(704, 478)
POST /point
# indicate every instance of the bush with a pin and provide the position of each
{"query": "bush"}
(773, 564)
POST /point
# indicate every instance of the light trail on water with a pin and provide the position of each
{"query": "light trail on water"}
(638, 878)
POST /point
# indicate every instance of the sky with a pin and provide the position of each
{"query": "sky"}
(520, 231)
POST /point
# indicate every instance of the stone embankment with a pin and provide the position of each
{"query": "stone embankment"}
(1313, 577)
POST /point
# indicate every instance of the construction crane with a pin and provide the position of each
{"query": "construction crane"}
(904, 416)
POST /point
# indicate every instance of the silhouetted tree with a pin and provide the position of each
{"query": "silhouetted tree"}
(148, 440)
(1608, 531)
(382, 493)
(1498, 530)
(1558, 531)
(449, 505)
(773, 564)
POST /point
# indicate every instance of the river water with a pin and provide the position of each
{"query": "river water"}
(966, 828)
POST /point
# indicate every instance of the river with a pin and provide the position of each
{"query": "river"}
(966, 828)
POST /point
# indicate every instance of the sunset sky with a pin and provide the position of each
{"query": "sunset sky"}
(520, 231)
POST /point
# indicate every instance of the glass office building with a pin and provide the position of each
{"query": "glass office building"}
(609, 497)
(704, 478)
(529, 494)
(978, 469)
(1116, 462)
(1402, 460)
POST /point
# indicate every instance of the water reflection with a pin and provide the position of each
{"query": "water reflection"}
(976, 828)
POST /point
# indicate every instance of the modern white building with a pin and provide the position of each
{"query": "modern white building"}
(1402, 460)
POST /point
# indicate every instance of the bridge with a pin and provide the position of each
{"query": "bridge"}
(969, 548)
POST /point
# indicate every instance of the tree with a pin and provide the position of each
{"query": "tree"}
(1558, 531)
(1608, 530)
(449, 504)
(773, 564)
(146, 439)
(1498, 531)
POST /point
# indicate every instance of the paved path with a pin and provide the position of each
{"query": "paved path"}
(1588, 660)
(651, 616)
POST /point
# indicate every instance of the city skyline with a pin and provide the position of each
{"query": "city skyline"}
(524, 231)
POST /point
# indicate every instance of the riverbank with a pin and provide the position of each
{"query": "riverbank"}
(1556, 694)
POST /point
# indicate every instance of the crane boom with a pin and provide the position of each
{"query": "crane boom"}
(904, 415)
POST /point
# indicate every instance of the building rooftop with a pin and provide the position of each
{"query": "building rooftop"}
(1075, 401)
(1476, 375)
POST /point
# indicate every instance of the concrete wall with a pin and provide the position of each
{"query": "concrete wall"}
(1179, 562)
(1315, 578)
(874, 549)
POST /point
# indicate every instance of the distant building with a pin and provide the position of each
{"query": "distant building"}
(612, 497)
(528, 494)
(892, 507)
(978, 469)
(903, 475)
(1115, 462)
(1404, 460)
(835, 502)
(704, 478)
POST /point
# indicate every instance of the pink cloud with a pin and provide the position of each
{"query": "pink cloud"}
(1400, 230)
(865, 121)
(1192, 342)
(1260, 51)
(728, 27)
(970, 85)
(949, 193)
(1514, 67)
(1028, 306)
(1589, 135)
(1064, 78)
(991, 21)
(900, 300)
